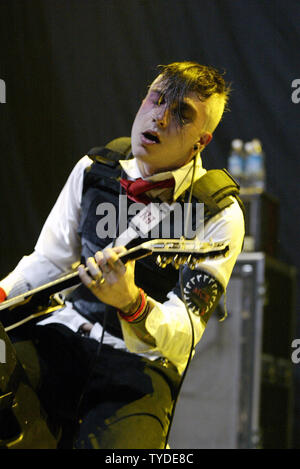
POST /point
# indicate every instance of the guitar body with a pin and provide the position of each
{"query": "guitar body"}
(33, 309)
(23, 423)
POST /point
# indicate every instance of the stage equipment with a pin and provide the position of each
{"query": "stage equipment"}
(238, 392)
(261, 220)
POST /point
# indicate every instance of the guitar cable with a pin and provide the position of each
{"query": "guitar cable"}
(192, 346)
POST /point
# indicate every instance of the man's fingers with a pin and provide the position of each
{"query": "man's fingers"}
(120, 249)
(96, 281)
(84, 276)
(99, 257)
(93, 267)
(103, 256)
(112, 261)
(105, 266)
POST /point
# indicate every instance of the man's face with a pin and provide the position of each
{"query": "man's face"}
(159, 143)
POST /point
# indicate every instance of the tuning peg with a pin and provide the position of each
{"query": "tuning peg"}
(162, 262)
(175, 263)
(178, 261)
(198, 261)
(183, 259)
(167, 260)
(192, 262)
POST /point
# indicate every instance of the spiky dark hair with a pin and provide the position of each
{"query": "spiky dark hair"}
(181, 78)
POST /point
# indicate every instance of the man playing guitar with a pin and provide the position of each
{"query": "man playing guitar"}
(107, 364)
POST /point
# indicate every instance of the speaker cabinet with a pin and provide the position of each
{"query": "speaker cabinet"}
(238, 390)
(279, 330)
(261, 221)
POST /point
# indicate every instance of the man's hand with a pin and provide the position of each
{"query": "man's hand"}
(109, 279)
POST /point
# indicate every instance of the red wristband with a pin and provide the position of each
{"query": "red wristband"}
(136, 314)
(2, 295)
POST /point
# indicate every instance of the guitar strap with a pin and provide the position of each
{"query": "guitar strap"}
(144, 222)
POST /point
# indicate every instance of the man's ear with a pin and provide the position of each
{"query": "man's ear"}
(201, 144)
(205, 139)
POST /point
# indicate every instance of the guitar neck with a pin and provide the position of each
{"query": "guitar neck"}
(70, 280)
(62, 283)
(169, 248)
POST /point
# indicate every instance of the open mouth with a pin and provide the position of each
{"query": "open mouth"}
(151, 137)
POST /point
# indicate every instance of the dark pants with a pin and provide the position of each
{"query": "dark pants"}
(111, 399)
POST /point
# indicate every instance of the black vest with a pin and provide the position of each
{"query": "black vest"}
(101, 184)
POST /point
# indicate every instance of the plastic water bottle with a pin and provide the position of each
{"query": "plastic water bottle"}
(236, 160)
(255, 173)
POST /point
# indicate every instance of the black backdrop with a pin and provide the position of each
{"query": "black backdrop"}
(75, 71)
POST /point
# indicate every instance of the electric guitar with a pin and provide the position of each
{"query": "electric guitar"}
(45, 299)
(21, 414)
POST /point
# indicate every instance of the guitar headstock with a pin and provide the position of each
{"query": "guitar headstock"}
(182, 251)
